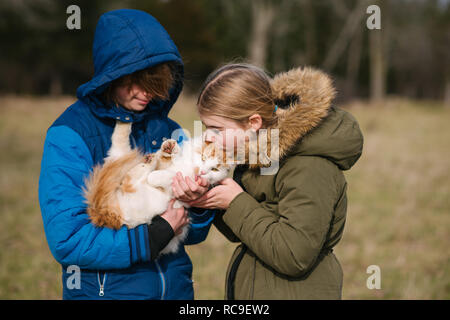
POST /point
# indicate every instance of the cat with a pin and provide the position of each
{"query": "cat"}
(131, 188)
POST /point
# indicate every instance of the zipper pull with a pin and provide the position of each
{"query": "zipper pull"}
(101, 293)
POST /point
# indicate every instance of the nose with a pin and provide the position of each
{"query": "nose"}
(140, 93)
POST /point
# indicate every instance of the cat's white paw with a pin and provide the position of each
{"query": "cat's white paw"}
(169, 147)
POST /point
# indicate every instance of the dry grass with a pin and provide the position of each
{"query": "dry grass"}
(398, 213)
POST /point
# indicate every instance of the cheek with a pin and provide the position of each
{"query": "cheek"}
(123, 94)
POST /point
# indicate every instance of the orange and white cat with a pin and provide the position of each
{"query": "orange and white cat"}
(131, 188)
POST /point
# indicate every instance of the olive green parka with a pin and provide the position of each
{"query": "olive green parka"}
(288, 222)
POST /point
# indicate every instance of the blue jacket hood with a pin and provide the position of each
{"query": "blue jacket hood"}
(126, 41)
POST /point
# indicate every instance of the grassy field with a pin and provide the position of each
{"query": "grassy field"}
(398, 211)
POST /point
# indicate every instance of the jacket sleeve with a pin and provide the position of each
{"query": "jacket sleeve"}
(291, 241)
(72, 238)
(201, 220)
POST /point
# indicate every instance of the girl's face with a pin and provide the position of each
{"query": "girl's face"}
(133, 98)
(227, 132)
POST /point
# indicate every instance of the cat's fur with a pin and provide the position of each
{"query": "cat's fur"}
(131, 188)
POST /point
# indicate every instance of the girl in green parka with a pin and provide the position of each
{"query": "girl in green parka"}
(288, 221)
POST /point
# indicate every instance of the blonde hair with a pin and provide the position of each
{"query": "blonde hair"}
(156, 81)
(237, 91)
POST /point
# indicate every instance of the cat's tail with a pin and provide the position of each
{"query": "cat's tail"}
(102, 186)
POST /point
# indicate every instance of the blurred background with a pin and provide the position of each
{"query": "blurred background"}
(395, 81)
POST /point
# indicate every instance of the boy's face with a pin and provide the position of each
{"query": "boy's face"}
(133, 98)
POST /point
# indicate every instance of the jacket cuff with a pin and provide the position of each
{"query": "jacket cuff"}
(160, 233)
(139, 244)
(200, 215)
(239, 209)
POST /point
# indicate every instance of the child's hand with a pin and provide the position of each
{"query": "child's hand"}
(218, 197)
(185, 189)
(176, 217)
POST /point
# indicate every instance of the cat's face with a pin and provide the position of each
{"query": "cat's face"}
(215, 172)
(213, 163)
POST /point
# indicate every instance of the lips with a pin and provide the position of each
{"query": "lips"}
(143, 102)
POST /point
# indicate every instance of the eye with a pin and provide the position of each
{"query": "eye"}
(214, 130)
(214, 169)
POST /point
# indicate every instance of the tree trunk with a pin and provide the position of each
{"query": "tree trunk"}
(353, 63)
(55, 88)
(310, 31)
(377, 66)
(447, 94)
(352, 23)
(280, 28)
(378, 42)
(263, 13)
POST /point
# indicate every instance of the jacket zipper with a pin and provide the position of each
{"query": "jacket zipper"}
(163, 281)
(101, 293)
(233, 270)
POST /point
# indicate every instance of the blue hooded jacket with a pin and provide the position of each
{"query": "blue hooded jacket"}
(112, 264)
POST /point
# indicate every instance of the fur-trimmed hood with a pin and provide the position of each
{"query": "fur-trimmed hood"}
(308, 123)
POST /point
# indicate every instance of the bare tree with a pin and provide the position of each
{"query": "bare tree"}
(280, 27)
(447, 94)
(377, 54)
(263, 13)
(310, 31)
(354, 61)
(346, 34)
(377, 66)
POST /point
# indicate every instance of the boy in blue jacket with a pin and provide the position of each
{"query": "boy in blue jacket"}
(138, 77)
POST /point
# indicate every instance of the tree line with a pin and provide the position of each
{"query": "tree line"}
(409, 56)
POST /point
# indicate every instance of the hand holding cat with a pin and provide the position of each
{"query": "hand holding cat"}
(218, 197)
(185, 189)
(176, 217)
